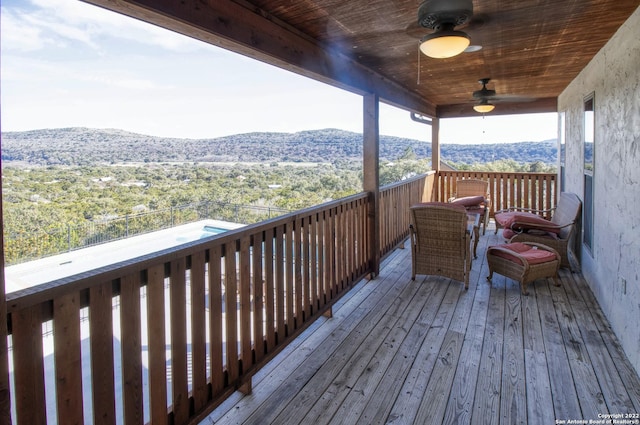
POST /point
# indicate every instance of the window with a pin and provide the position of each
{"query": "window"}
(589, 170)
(562, 147)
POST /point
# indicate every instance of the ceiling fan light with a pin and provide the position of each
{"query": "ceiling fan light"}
(483, 107)
(444, 44)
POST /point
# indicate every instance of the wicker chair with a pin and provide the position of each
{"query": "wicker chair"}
(556, 233)
(440, 242)
(520, 266)
(467, 194)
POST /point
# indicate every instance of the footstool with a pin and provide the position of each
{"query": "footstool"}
(524, 262)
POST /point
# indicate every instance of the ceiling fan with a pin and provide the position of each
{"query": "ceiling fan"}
(444, 16)
(486, 97)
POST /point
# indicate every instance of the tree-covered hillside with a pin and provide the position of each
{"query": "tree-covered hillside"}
(83, 146)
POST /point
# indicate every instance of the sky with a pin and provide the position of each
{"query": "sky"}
(65, 63)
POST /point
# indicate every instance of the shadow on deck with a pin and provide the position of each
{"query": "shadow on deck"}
(427, 352)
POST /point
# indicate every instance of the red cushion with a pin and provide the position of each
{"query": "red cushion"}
(469, 201)
(507, 220)
(533, 255)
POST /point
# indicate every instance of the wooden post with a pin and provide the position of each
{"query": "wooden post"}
(435, 144)
(435, 156)
(371, 181)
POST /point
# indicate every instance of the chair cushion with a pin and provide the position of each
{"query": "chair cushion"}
(469, 201)
(508, 219)
(532, 254)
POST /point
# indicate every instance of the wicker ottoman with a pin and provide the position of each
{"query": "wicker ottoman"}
(524, 262)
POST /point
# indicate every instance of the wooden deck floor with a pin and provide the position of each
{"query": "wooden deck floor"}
(427, 352)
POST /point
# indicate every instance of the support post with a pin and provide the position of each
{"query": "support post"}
(435, 156)
(371, 180)
(435, 144)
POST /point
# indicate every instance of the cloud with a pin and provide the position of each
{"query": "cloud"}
(41, 24)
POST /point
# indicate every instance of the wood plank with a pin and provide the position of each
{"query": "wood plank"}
(279, 288)
(231, 313)
(270, 298)
(68, 358)
(314, 259)
(436, 395)
(28, 366)
(462, 393)
(610, 382)
(486, 407)
(297, 261)
(179, 373)
(566, 404)
(102, 365)
(589, 393)
(348, 402)
(216, 320)
(538, 387)
(513, 407)
(244, 292)
(406, 407)
(157, 345)
(258, 296)
(199, 389)
(131, 349)
(629, 376)
(289, 313)
(307, 302)
(381, 401)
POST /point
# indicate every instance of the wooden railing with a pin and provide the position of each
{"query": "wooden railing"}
(523, 190)
(395, 201)
(194, 322)
(152, 340)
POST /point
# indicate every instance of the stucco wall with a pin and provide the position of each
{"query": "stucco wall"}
(613, 266)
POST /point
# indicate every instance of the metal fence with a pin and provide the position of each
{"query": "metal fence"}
(24, 247)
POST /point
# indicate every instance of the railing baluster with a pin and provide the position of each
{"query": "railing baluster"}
(231, 312)
(68, 358)
(157, 345)
(297, 261)
(198, 334)
(270, 296)
(244, 292)
(313, 257)
(29, 367)
(102, 374)
(178, 302)
(216, 320)
(280, 285)
(130, 346)
(258, 295)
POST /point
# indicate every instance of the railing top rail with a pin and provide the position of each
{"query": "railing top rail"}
(489, 173)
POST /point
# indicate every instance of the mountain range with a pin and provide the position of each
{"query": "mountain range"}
(86, 146)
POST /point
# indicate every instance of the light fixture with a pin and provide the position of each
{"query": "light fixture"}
(484, 106)
(445, 42)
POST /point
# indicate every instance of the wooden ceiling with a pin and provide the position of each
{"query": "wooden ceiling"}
(531, 49)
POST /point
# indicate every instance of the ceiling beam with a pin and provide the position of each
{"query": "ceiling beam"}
(549, 104)
(251, 32)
